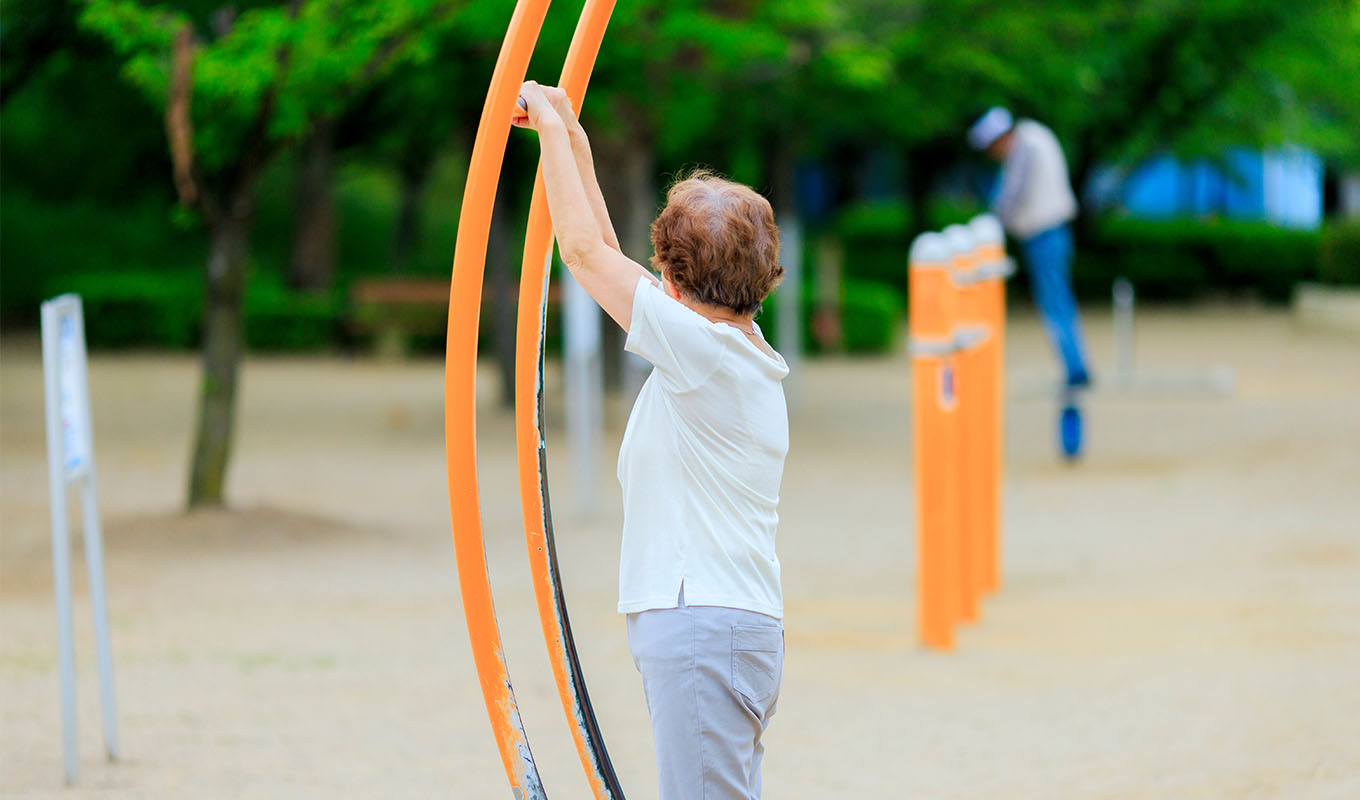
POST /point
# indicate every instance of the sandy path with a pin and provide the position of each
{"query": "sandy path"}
(1180, 615)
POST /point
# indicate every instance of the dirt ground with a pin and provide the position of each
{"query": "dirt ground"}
(1180, 615)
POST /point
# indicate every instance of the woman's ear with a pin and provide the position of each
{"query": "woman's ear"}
(669, 288)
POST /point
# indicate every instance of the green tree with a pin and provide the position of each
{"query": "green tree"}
(237, 89)
(1123, 81)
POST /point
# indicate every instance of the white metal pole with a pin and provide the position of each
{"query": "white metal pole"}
(584, 378)
(94, 548)
(94, 562)
(61, 545)
(1123, 298)
(789, 301)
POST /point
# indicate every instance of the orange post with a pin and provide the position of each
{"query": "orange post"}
(971, 339)
(935, 432)
(530, 441)
(460, 392)
(992, 269)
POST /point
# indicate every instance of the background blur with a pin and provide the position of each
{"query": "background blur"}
(1214, 144)
(1178, 617)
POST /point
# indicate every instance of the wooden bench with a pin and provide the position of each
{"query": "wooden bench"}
(393, 309)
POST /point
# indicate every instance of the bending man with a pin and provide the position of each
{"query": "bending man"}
(1036, 204)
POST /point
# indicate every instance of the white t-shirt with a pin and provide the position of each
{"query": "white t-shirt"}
(700, 464)
(1035, 192)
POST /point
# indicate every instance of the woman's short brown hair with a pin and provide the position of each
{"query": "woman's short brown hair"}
(716, 241)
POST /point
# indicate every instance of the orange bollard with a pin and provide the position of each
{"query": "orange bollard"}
(970, 340)
(992, 269)
(935, 431)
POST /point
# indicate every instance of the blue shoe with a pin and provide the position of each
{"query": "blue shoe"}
(1069, 431)
(1079, 379)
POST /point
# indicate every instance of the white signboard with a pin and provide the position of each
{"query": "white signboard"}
(70, 458)
(72, 396)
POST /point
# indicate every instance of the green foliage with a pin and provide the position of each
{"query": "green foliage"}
(278, 319)
(737, 85)
(138, 309)
(871, 317)
(874, 238)
(1341, 253)
(47, 243)
(283, 65)
(165, 311)
(945, 211)
(1189, 259)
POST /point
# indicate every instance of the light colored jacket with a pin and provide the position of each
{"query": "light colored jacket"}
(1036, 193)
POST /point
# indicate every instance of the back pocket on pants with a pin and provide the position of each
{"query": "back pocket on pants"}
(757, 661)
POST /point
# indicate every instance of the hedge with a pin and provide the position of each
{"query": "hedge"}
(48, 246)
(1186, 259)
(153, 309)
(874, 240)
(279, 319)
(137, 309)
(1166, 260)
(1170, 260)
(1341, 253)
(871, 318)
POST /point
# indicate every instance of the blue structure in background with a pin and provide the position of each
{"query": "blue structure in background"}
(1282, 186)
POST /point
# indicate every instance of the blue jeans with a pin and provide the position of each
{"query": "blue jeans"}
(1048, 255)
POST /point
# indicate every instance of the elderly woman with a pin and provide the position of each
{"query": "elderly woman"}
(701, 459)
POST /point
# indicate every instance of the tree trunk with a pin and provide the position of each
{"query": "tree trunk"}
(313, 262)
(415, 176)
(222, 344)
(502, 296)
(826, 321)
(922, 173)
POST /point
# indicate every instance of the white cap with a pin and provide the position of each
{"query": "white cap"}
(987, 229)
(990, 127)
(959, 238)
(929, 249)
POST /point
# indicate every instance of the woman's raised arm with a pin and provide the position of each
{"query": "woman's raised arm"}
(585, 236)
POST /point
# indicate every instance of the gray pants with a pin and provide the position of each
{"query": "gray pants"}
(711, 676)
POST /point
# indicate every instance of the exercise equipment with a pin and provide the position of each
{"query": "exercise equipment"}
(530, 441)
(993, 270)
(499, 109)
(460, 385)
(935, 432)
(956, 282)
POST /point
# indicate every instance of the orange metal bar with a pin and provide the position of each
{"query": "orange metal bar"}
(991, 417)
(530, 442)
(460, 419)
(935, 432)
(973, 384)
(992, 265)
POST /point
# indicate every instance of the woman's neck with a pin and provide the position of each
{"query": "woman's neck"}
(742, 322)
(713, 313)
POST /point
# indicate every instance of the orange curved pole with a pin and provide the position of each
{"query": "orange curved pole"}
(460, 378)
(533, 477)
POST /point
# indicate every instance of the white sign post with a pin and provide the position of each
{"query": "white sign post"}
(584, 388)
(789, 302)
(70, 460)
